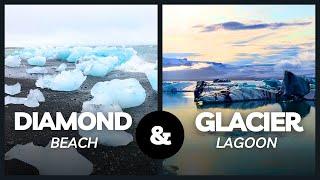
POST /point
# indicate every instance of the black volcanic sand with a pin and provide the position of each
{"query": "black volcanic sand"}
(122, 160)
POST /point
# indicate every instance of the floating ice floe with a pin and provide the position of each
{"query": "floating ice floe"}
(127, 93)
(50, 161)
(183, 86)
(37, 61)
(32, 100)
(64, 81)
(12, 89)
(105, 137)
(12, 61)
(97, 66)
(37, 70)
(61, 67)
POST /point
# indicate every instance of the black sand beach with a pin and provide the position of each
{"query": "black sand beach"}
(122, 160)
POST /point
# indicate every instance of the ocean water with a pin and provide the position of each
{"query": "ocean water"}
(294, 155)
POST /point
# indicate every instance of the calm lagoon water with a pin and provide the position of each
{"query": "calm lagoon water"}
(295, 152)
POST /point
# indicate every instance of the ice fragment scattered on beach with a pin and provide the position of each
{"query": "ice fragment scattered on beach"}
(12, 61)
(50, 161)
(106, 137)
(152, 76)
(12, 89)
(37, 70)
(78, 52)
(97, 66)
(64, 81)
(37, 61)
(61, 67)
(136, 64)
(32, 100)
(127, 92)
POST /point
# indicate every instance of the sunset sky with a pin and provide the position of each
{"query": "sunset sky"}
(239, 33)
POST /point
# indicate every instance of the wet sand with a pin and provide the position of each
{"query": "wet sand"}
(122, 160)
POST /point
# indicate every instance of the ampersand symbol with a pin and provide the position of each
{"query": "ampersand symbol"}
(159, 137)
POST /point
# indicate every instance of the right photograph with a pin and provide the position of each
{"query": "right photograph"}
(244, 59)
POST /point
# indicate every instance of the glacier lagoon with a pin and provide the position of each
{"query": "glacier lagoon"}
(295, 153)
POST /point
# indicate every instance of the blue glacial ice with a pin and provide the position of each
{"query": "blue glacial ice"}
(61, 67)
(78, 52)
(32, 100)
(12, 61)
(127, 92)
(12, 89)
(136, 64)
(152, 76)
(37, 70)
(51, 161)
(37, 61)
(105, 137)
(183, 86)
(62, 53)
(97, 66)
(123, 54)
(64, 81)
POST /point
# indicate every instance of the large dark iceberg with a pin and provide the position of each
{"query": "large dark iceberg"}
(293, 87)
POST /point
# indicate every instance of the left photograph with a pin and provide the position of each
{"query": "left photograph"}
(64, 63)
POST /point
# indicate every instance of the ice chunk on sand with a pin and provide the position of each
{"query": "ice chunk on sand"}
(64, 81)
(50, 161)
(123, 54)
(12, 61)
(152, 76)
(32, 100)
(136, 64)
(12, 89)
(97, 66)
(105, 137)
(36, 94)
(37, 61)
(62, 53)
(78, 52)
(37, 70)
(127, 93)
(61, 67)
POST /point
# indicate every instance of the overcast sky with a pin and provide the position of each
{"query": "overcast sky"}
(38, 25)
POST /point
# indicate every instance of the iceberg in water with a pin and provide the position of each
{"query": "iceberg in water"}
(127, 93)
(37, 70)
(61, 67)
(183, 86)
(97, 66)
(37, 61)
(50, 161)
(32, 100)
(64, 81)
(12, 61)
(12, 89)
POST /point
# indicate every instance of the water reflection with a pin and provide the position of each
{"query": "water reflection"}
(294, 154)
